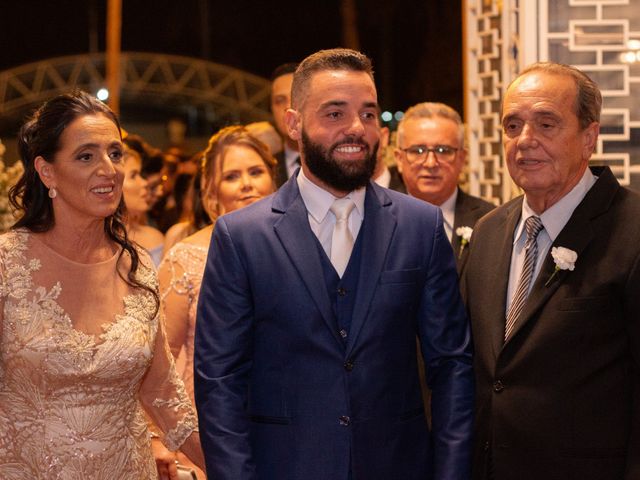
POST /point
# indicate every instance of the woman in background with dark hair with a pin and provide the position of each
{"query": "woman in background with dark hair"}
(135, 192)
(196, 217)
(82, 347)
(237, 170)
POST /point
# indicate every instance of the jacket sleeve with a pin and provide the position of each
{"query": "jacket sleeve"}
(445, 339)
(632, 315)
(223, 345)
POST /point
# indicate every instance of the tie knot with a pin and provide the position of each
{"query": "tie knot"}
(341, 208)
(533, 225)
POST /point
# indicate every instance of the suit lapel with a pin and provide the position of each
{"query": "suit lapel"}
(500, 256)
(461, 217)
(576, 235)
(377, 230)
(298, 240)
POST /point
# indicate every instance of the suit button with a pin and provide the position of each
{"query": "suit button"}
(344, 420)
(498, 386)
(348, 365)
(343, 333)
(342, 291)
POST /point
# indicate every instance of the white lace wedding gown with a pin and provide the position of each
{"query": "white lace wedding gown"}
(80, 354)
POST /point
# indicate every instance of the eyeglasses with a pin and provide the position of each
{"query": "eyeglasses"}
(419, 153)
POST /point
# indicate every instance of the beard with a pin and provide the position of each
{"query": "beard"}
(344, 176)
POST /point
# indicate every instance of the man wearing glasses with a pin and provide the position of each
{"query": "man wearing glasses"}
(430, 154)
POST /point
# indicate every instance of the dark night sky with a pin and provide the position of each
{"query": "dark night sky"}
(415, 45)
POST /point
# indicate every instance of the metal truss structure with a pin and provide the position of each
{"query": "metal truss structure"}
(146, 79)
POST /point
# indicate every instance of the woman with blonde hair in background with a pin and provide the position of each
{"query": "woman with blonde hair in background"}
(237, 170)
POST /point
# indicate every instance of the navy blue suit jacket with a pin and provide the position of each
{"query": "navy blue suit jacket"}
(280, 395)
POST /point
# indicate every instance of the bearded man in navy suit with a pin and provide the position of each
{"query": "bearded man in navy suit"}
(305, 363)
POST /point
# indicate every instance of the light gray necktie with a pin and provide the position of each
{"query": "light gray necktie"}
(341, 240)
(533, 225)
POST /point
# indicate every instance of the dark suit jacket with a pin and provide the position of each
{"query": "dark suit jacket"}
(281, 169)
(560, 400)
(280, 395)
(468, 211)
(396, 183)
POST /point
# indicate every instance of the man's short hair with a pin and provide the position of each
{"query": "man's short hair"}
(588, 97)
(334, 59)
(283, 69)
(432, 110)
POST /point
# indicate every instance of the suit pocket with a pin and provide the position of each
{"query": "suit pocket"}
(411, 275)
(583, 304)
(270, 420)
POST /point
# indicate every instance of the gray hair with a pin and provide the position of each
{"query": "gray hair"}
(431, 110)
(588, 103)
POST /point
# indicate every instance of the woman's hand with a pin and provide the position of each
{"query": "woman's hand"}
(166, 461)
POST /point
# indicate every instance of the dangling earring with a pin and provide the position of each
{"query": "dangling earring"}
(52, 192)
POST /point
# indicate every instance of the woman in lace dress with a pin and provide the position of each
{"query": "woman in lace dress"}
(237, 170)
(82, 345)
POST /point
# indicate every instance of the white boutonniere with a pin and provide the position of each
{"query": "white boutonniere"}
(564, 258)
(465, 236)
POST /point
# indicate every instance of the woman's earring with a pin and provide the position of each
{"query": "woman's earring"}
(52, 192)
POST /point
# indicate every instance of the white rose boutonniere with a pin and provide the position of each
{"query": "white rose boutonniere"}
(465, 234)
(564, 258)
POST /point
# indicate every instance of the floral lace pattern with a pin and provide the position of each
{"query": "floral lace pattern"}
(181, 274)
(71, 399)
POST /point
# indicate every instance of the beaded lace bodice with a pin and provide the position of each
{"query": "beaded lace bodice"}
(180, 275)
(81, 353)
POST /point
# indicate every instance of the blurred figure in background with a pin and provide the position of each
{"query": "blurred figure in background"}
(289, 158)
(384, 175)
(135, 189)
(194, 216)
(237, 170)
(266, 133)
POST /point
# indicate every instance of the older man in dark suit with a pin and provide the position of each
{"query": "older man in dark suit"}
(551, 286)
(430, 155)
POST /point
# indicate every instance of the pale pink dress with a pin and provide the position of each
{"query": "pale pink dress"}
(81, 354)
(180, 274)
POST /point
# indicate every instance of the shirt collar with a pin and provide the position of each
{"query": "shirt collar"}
(290, 157)
(448, 208)
(318, 201)
(556, 217)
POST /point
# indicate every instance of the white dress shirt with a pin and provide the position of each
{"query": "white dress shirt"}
(322, 221)
(553, 219)
(448, 209)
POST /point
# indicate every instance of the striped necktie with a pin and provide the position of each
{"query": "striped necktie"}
(533, 225)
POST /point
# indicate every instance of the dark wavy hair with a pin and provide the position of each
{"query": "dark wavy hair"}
(40, 137)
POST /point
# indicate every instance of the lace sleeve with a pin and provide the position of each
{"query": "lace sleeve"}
(177, 295)
(163, 394)
(3, 294)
